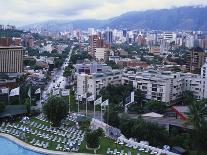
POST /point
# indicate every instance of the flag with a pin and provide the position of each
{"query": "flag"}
(14, 92)
(56, 92)
(29, 92)
(65, 92)
(84, 95)
(4, 91)
(105, 103)
(91, 98)
(130, 98)
(98, 101)
(78, 97)
(38, 91)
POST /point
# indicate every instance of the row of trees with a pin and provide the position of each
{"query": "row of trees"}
(117, 95)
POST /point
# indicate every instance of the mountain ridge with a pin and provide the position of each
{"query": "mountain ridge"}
(181, 18)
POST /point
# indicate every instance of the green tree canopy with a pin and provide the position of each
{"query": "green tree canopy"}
(155, 106)
(93, 138)
(197, 113)
(111, 118)
(55, 109)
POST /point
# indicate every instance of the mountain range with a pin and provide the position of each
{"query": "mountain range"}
(182, 18)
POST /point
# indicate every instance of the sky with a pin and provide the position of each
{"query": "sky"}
(22, 12)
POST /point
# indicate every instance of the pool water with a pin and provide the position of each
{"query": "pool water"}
(8, 147)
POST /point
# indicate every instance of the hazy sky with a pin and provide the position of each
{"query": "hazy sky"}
(31, 11)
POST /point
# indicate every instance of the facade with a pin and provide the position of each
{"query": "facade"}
(102, 54)
(161, 86)
(11, 59)
(95, 82)
(195, 60)
(91, 67)
(132, 63)
(167, 86)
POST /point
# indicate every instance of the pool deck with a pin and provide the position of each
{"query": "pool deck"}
(37, 149)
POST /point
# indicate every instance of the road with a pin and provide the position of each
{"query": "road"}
(57, 82)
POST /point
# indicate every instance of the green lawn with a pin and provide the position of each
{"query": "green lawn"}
(105, 143)
(108, 143)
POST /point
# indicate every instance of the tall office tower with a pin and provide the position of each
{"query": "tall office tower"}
(108, 36)
(5, 41)
(11, 59)
(124, 33)
(195, 59)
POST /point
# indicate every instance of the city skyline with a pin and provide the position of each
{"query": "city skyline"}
(33, 11)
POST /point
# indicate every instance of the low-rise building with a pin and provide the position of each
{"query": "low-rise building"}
(93, 83)
(91, 67)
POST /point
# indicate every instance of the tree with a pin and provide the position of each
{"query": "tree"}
(67, 72)
(113, 65)
(2, 107)
(112, 118)
(93, 138)
(55, 109)
(155, 106)
(197, 117)
(197, 113)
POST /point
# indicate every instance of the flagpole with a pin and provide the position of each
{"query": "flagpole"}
(86, 105)
(19, 93)
(101, 114)
(78, 104)
(69, 100)
(30, 96)
(8, 97)
(94, 109)
(108, 115)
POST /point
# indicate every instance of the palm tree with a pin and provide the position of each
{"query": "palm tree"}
(197, 113)
(197, 117)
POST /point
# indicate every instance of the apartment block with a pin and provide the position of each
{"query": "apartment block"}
(93, 83)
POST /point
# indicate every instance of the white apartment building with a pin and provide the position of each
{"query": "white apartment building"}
(93, 83)
(167, 86)
(161, 86)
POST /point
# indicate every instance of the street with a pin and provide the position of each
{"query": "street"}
(57, 82)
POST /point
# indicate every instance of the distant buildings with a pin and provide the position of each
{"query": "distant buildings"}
(96, 43)
(11, 59)
(102, 54)
(195, 60)
(132, 63)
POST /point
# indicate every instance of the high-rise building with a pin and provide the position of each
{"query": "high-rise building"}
(5, 41)
(124, 33)
(11, 59)
(96, 42)
(195, 59)
(108, 36)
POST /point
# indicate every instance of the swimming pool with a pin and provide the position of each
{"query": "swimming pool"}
(8, 147)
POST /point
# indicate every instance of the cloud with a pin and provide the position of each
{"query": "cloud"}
(30, 11)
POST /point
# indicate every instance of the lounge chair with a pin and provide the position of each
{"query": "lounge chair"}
(58, 147)
(33, 140)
